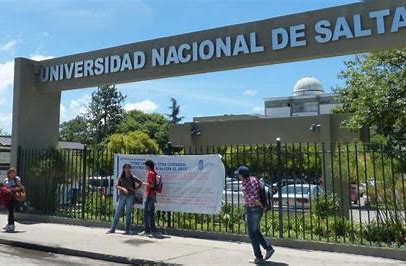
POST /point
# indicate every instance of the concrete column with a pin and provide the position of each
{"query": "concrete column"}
(333, 182)
(35, 114)
(325, 137)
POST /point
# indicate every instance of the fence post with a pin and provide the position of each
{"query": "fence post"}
(84, 181)
(169, 152)
(279, 178)
(18, 159)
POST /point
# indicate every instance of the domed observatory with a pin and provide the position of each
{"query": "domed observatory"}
(308, 99)
(308, 86)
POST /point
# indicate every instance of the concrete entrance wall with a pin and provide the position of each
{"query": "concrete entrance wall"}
(356, 28)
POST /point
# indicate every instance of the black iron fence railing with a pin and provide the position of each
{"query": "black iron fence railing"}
(345, 193)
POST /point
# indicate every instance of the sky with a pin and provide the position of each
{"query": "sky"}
(52, 28)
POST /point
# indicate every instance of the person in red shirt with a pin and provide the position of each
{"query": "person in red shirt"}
(149, 207)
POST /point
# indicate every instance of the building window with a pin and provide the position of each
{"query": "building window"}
(305, 107)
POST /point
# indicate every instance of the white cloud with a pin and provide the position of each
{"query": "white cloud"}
(79, 106)
(249, 93)
(38, 57)
(7, 71)
(6, 84)
(71, 109)
(5, 122)
(194, 91)
(258, 109)
(62, 111)
(146, 106)
(6, 75)
(10, 45)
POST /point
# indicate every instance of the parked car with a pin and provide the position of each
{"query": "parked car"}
(357, 191)
(103, 184)
(286, 182)
(232, 194)
(231, 179)
(67, 194)
(290, 181)
(299, 195)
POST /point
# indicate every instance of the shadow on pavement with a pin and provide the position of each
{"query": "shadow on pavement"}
(138, 242)
(28, 222)
(274, 263)
(161, 237)
(15, 232)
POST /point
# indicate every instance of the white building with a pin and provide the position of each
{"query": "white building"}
(308, 99)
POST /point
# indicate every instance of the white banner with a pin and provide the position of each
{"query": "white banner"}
(191, 183)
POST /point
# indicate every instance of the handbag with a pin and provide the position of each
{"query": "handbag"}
(20, 195)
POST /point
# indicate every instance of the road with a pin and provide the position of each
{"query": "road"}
(19, 256)
(357, 215)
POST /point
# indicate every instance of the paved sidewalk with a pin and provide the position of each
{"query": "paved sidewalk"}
(169, 249)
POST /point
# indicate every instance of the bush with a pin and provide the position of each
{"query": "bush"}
(98, 205)
(42, 178)
(391, 228)
(232, 216)
(342, 227)
(326, 206)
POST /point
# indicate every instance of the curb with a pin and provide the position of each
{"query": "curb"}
(81, 253)
(381, 252)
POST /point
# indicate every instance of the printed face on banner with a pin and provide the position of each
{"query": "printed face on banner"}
(191, 183)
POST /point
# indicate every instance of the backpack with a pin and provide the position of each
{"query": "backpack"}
(265, 196)
(158, 184)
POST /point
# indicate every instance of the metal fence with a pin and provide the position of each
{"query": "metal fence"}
(343, 193)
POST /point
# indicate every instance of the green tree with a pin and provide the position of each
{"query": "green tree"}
(297, 160)
(155, 125)
(135, 142)
(175, 111)
(76, 130)
(375, 94)
(105, 112)
(46, 172)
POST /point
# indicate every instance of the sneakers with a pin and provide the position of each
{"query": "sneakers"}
(12, 228)
(269, 252)
(9, 228)
(111, 231)
(143, 233)
(258, 261)
(128, 232)
(155, 235)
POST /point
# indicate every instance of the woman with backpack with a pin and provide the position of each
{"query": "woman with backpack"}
(15, 192)
(127, 185)
(149, 207)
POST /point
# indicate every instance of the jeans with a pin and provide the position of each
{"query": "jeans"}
(127, 201)
(253, 221)
(149, 215)
(11, 206)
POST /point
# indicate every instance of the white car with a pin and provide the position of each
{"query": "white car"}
(103, 184)
(299, 195)
(232, 194)
(231, 179)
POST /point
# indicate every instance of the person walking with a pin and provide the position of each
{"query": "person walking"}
(149, 206)
(12, 186)
(253, 208)
(127, 185)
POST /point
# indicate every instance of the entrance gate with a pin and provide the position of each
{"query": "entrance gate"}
(355, 28)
